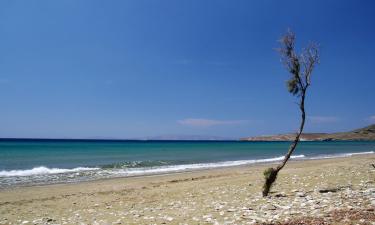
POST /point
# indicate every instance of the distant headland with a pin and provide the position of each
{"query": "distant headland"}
(362, 134)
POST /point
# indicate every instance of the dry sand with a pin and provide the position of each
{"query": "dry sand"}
(217, 196)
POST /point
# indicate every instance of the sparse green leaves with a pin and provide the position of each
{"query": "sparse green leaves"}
(300, 66)
(292, 85)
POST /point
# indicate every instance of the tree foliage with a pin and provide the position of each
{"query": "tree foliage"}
(299, 66)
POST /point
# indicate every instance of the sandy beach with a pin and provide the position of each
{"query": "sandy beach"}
(325, 191)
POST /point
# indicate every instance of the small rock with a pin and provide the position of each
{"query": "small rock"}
(117, 222)
(327, 190)
(300, 194)
(169, 218)
(269, 207)
(279, 195)
(195, 219)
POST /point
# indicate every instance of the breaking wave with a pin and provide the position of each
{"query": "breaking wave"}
(341, 155)
(137, 168)
(184, 167)
(41, 170)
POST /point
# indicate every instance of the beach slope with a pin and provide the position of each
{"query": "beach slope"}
(335, 191)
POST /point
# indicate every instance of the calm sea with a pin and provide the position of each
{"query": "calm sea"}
(34, 162)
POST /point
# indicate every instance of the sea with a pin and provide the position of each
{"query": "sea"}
(29, 162)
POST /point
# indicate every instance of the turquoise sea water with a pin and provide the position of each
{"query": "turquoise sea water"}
(30, 162)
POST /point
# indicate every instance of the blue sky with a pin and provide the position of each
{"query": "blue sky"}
(124, 69)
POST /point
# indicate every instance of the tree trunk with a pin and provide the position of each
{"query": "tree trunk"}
(271, 173)
(296, 140)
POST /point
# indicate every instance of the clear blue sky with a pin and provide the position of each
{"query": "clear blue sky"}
(126, 69)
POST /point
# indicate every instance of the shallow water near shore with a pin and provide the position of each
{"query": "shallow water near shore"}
(33, 162)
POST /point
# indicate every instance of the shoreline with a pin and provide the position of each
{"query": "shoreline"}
(202, 196)
(166, 170)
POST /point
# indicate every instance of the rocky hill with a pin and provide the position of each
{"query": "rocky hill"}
(362, 134)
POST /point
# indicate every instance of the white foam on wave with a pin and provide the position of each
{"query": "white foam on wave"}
(360, 153)
(41, 170)
(342, 155)
(161, 169)
(187, 167)
(136, 171)
(184, 167)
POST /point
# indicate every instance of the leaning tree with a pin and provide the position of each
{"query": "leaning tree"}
(300, 67)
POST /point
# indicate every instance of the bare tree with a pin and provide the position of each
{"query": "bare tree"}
(300, 67)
